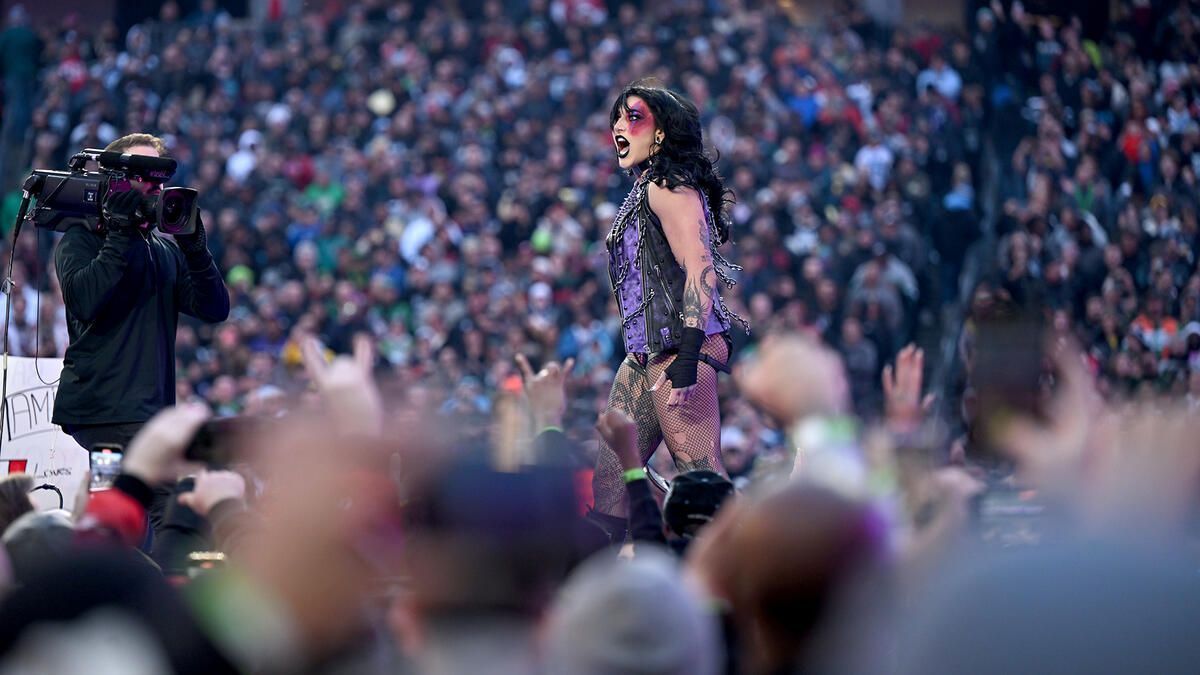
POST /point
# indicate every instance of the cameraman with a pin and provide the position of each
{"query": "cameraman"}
(124, 286)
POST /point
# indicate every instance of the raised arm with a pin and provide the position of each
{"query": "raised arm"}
(88, 277)
(199, 289)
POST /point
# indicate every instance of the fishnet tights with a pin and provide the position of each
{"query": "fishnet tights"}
(691, 431)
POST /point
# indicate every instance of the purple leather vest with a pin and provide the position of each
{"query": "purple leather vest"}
(648, 281)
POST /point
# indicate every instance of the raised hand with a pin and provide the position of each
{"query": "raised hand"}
(619, 432)
(347, 385)
(212, 488)
(546, 391)
(156, 454)
(904, 407)
(794, 376)
(335, 529)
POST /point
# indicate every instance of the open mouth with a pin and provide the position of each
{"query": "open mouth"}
(622, 146)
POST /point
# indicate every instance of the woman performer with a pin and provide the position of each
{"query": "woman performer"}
(664, 267)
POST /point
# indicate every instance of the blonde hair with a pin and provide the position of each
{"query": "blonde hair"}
(126, 142)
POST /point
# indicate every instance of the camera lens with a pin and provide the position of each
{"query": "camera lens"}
(176, 210)
(172, 209)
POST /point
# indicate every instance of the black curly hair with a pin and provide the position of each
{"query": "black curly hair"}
(681, 159)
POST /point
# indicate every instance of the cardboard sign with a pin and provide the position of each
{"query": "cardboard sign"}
(32, 444)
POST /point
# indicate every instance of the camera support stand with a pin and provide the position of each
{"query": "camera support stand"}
(32, 183)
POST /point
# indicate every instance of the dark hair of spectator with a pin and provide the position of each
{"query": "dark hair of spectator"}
(681, 159)
(126, 142)
(14, 498)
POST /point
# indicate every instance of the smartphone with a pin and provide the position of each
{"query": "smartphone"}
(105, 464)
(217, 441)
(1009, 517)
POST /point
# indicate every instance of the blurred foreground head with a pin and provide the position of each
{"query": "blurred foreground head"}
(636, 616)
(14, 498)
(101, 611)
(481, 541)
(35, 539)
(485, 552)
(784, 562)
(1072, 608)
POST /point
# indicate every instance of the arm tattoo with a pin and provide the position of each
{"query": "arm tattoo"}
(698, 297)
(693, 310)
(698, 291)
(704, 239)
(707, 283)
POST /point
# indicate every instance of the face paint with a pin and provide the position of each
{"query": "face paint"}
(634, 133)
(641, 119)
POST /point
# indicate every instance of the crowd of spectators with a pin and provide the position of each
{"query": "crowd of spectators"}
(444, 181)
(429, 189)
(1098, 195)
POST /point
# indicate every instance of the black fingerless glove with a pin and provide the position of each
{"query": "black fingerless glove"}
(120, 210)
(682, 371)
(194, 245)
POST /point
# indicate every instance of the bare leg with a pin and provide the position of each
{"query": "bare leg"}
(693, 430)
(631, 394)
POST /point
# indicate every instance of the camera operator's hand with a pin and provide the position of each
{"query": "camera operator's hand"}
(120, 209)
(196, 243)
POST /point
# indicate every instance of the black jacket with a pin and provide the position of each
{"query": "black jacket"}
(123, 294)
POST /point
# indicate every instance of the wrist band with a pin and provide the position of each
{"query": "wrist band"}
(819, 431)
(634, 474)
(691, 342)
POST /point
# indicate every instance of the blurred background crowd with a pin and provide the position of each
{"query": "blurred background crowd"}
(428, 186)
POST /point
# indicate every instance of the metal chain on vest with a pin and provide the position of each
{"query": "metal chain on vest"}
(635, 211)
(628, 215)
(721, 266)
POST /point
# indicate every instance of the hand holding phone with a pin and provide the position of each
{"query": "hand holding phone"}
(155, 455)
(211, 488)
(216, 441)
